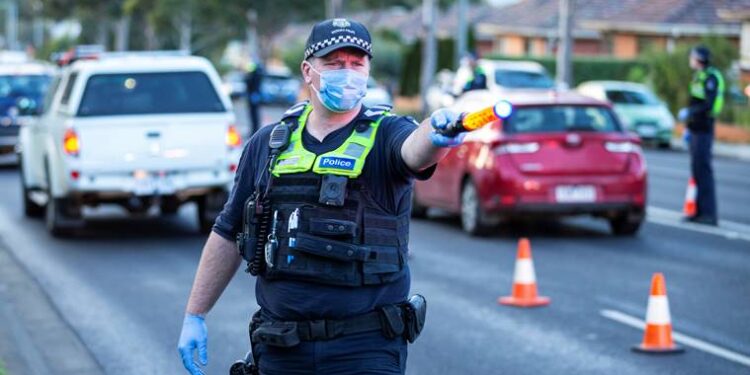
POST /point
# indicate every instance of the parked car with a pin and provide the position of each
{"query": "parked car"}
(23, 86)
(559, 153)
(504, 76)
(233, 84)
(376, 94)
(638, 108)
(138, 130)
(279, 86)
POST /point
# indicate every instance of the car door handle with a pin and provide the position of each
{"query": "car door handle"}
(153, 134)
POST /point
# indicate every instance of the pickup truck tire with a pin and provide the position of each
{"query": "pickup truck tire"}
(57, 213)
(209, 207)
(30, 208)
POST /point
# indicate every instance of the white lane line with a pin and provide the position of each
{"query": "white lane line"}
(681, 338)
(728, 229)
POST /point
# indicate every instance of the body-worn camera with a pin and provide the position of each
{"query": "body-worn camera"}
(333, 190)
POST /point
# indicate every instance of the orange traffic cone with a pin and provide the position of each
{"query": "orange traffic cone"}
(524, 280)
(690, 208)
(658, 335)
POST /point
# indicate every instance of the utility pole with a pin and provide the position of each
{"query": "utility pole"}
(38, 24)
(11, 25)
(428, 51)
(565, 26)
(461, 42)
(333, 8)
(251, 35)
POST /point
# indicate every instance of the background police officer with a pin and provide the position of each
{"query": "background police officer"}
(336, 66)
(477, 79)
(706, 101)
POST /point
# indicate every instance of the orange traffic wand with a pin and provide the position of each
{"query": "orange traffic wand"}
(524, 280)
(475, 120)
(658, 335)
(690, 208)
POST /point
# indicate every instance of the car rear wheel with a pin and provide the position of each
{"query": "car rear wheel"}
(626, 224)
(30, 208)
(417, 210)
(209, 207)
(472, 218)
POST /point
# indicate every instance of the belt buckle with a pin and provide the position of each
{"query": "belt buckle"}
(318, 330)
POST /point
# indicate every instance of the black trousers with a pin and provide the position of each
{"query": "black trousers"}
(253, 109)
(700, 165)
(368, 353)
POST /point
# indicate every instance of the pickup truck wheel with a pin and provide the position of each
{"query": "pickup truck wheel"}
(30, 208)
(54, 217)
(209, 207)
(58, 213)
(472, 218)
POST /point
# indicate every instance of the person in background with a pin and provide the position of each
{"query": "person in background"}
(706, 102)
(253, 80)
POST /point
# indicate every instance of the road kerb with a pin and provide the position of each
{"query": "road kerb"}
(33, 323)
(727, 229)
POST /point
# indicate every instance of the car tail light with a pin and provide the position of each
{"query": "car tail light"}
(517, 148)
(622, 147)
(71, 144)
(234, 139)
(75, 175)
(232, 168)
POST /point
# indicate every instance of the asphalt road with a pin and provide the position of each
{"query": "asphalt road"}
(122, 285)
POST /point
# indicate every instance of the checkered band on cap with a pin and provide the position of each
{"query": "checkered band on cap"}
(349, 39)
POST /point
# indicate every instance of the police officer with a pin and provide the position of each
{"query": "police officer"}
(477, 79)
(253, 80)
(706, 102)
(320, 208)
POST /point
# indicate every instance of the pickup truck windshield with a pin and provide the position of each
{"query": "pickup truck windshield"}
(148, 93)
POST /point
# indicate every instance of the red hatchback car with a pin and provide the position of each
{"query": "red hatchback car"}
(559, 153)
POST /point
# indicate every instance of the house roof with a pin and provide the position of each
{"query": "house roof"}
(592, 17)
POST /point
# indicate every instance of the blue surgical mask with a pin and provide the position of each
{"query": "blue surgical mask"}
(341, 89)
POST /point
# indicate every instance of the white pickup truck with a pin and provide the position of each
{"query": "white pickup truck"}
(137, 130)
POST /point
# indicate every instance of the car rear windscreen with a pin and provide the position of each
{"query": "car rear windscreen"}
(560, 119)
(149, 93)
(631, 97)
(522, 79)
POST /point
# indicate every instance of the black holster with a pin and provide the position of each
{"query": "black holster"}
(415, 313)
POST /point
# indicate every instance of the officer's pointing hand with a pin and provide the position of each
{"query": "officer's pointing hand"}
(439, 120)
(194, 335)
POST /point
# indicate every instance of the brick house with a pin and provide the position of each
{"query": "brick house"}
(618, 28)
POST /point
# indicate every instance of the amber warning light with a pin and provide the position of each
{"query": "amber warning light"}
(475, 120)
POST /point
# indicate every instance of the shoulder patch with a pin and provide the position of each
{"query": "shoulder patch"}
(376, 111)
(295, 109)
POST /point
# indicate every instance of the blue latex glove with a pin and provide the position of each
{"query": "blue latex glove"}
(683, 114)
(194, 335)
(686, 135)
(440, 119)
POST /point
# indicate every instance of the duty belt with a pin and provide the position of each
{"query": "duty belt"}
(405, 320)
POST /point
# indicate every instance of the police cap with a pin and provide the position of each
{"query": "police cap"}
(330, 35)
(702, 53)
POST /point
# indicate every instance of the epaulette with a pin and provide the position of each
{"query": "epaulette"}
(295, 110)
(374, 112)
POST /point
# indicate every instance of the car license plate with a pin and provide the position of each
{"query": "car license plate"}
(144, 185)
(575, 194)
